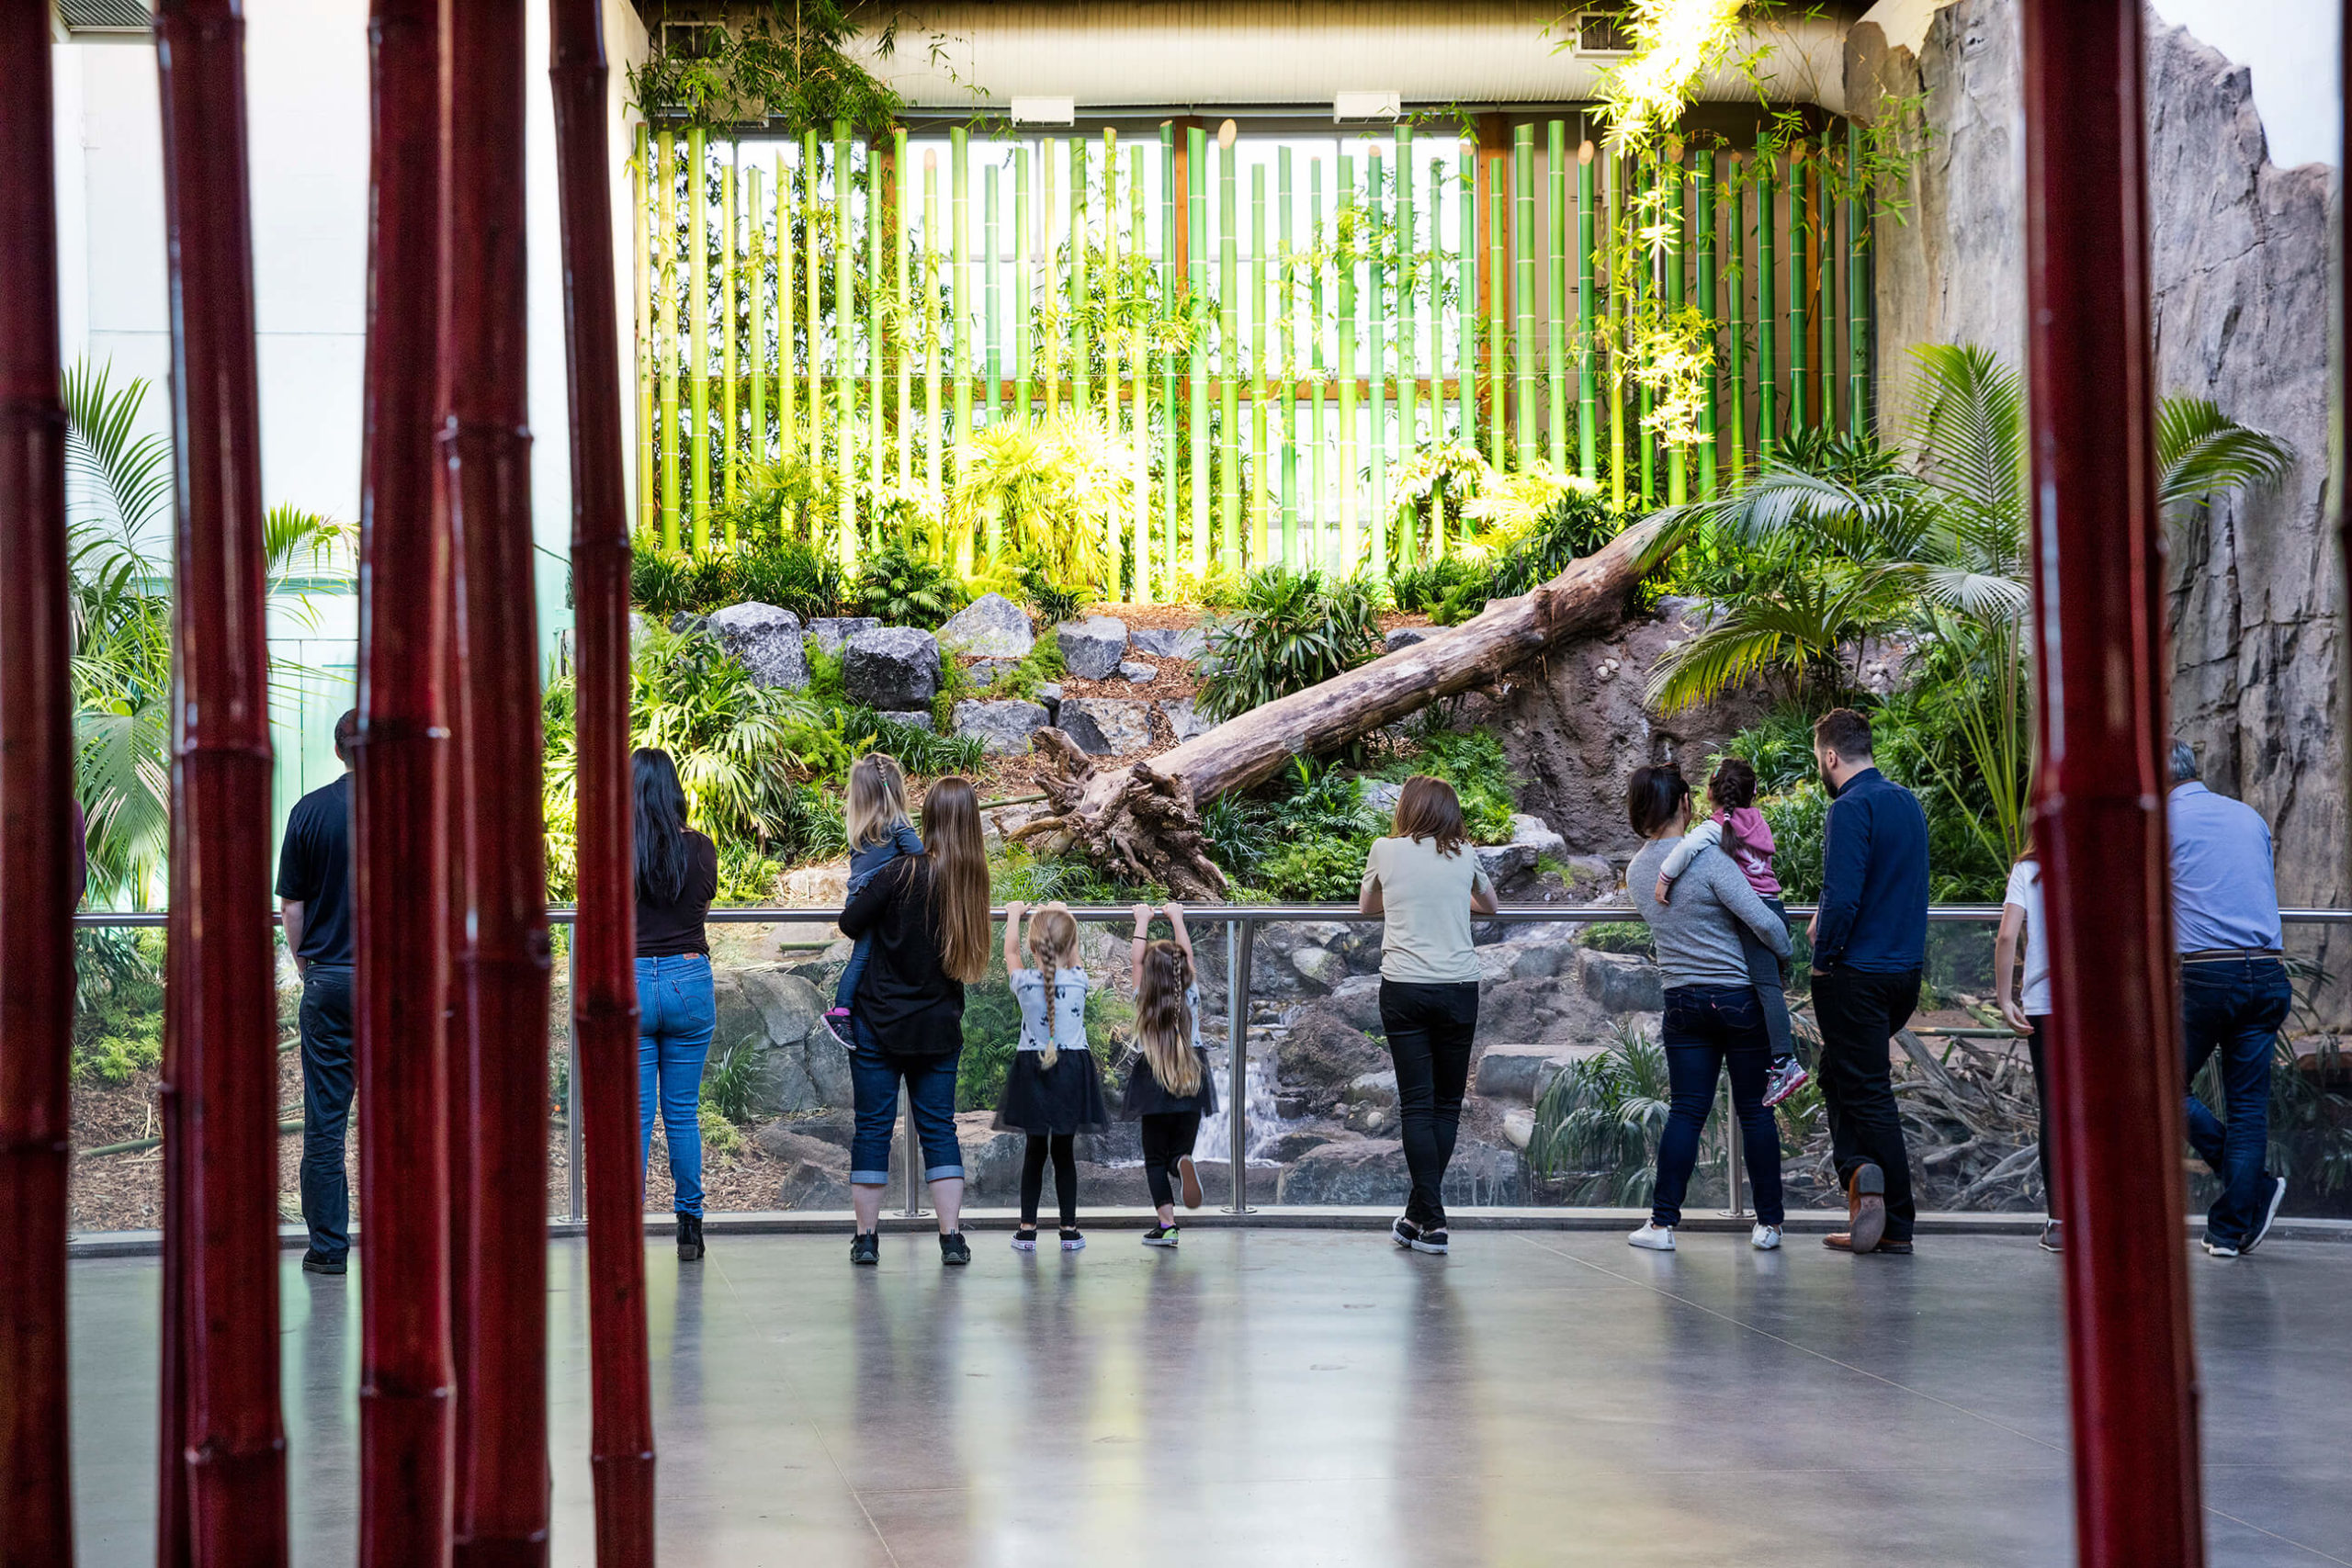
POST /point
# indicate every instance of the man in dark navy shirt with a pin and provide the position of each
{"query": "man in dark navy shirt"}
(314, 901)
(1870, 942)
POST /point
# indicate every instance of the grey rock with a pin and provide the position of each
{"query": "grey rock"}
(1049, 693)
(765, 640)
(890, 669)
(1321, 1055)
(1503, 861)
(1584, 869)
(913, 718)
(1524, 1072)
(1170, 642)
(1621, 982)
(1105, 727)
(1380, 795)
(1185, 719)
(1406, 636)
(1537, 835)
(1004, 728)
(1355, 1002)
(1319, 966)
(1374, 1089)
(1355, 1172)
(1292, 1145)
(687, 621)
(990, 624)
(775, 1014)
(815, 1173)
(833, 631)
(1092, 648)
(1138, 673)
(1370, 1119)
(982, 673)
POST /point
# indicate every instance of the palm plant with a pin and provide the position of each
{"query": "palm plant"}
(1056, 488)
(1597, 1127)
(1295, 629)
(1843, 544)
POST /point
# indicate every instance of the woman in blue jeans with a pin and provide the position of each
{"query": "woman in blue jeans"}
(1713, 1019)
(677, 876)
(925, 920)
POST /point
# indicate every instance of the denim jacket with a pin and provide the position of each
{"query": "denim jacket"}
(865, 862)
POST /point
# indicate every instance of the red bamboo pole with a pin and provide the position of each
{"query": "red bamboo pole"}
(36, 822)
(604, 993)
(501, 1463)
(2099, 622)
(226, 1001)
(399, 795)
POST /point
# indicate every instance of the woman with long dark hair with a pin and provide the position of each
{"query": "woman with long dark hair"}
(1425, 883)
(677, 876)
(925, 919)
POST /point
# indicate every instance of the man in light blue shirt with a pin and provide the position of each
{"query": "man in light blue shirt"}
(2233, 994)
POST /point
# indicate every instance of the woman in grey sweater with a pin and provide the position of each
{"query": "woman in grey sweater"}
(1713, 1019)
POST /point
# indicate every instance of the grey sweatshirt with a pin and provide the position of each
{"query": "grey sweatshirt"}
(1697, 935)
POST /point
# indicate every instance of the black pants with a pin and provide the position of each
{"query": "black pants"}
(325, 1020)
(1168, 1137)
(1768, 972)
(1033, 1177)
(2033, 1044)
(1859, 1014)
(1430, 1032)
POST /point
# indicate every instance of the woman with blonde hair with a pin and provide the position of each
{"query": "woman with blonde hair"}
(1168, 1089)
(1425, 882)
(1053, 1092)
(926, 916)
(878, 832)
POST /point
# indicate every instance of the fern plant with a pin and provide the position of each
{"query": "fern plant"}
(1294, 629)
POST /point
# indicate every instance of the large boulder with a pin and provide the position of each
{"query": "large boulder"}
(1349, 1172)
(1621, 982)
(765, 640)
(1092, 649)
(1524, 1072)
(990, 625)
(833, 631)
(913, 718)
(1185, 719)
(1105, 727)
(1004, 728)
(777, 1015)
(1406, 636)
(816, 1172)
(1134, 671)
(1049, 693)
(1535, 834)
(1321, 1055)
(891, 669)
(1502, 862)
(1171, 642)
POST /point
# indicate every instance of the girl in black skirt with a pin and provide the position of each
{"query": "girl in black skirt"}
(1055, 1092)
(1168, 1089)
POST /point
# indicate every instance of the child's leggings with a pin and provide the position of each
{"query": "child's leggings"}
(1064, 1148)
(1167, 1138)
(1767, 972)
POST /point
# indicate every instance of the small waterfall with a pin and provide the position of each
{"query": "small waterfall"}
(1265, 1125)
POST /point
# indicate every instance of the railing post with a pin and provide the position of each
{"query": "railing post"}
(577, 1210)
(1736, 1161)
(913, 1209)
(1239, 936)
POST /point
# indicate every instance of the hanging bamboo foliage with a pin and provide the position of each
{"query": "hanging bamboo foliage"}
(1676, 210)
(1615, 174)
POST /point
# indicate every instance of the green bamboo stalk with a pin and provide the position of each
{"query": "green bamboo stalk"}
(665, 332)
(1407, 372)
(1465, 267)
(1376, 344)
(1522, 161)
(787, 375)
(1614, 173)
(1228, 357)
(960, 296)
(1677, 211)
(1710, 263)
(1260, 479)
(1321, 551)
(1055, 290)
(995, 364)
(698, 341)
(877, 197)
(756, 296)
(1824, 270)
(1588, 380)
(1196, 423)
(1437, 337)
(1020, 262)
(1858, 325)
(844, 326)
(902, 170)
(1170, 447)
(1112, 531)
(1497, 367)
(1139, 369)
(1556, 247)
(933, 424)
(1736, 224)
(1767, 311)
(729, 273)
(1351, 549)
(1082, 351)
(1644, 279)
(649, 508)
(1799, 281)
(811, 171)
(1285, 296)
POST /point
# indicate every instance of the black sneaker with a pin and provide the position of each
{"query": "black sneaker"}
(314, 1264)
(866, 1247)
(1431, 1239)
(1071, 1240)
(2269, 1215)
(689, 1238)
(1404, 1232)
(1159, 1235)
(952, 1250)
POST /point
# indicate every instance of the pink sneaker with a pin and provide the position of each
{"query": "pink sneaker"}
(837, 1025)
(1785, 1077)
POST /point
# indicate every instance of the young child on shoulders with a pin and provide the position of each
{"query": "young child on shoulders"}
(1168, 1088)
(1737, 828)
(879, 834)
(1053, 1092)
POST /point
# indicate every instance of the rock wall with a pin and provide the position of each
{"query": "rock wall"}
(2239, 249)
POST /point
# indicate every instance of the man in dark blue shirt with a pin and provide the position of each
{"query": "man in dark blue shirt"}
(314, 902)
(1870, 942)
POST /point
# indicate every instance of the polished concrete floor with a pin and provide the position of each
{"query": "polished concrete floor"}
(1291, 1398)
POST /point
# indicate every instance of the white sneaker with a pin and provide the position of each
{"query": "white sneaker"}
(1653, 1238)
(2219, 1249)
(1765, 1238)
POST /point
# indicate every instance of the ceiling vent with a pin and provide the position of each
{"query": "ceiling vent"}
(106, 17)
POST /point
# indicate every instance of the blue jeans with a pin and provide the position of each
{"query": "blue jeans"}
(845, 989)
(325, 1021)
(1709, 1029)
(931, 1088)
(2234, 1007)
(676, 1016)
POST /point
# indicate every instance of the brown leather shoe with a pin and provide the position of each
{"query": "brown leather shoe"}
(1843, 1241)
(1865, 1208)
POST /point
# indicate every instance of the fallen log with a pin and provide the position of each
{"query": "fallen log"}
(1142, 822)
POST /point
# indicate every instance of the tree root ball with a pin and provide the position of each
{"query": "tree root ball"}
(1135, 823)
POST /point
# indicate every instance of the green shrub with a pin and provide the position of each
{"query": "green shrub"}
(747, 876)
(791, 575)
(794, 576)
(1473, 763)
(1424, 586)
(1054, 603)
(1041, 664)
(1318, 871)
(824, 672)
(907, 588)
(1618, 936)
(117, 1004)
(732, 1083)
(1293, 629)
